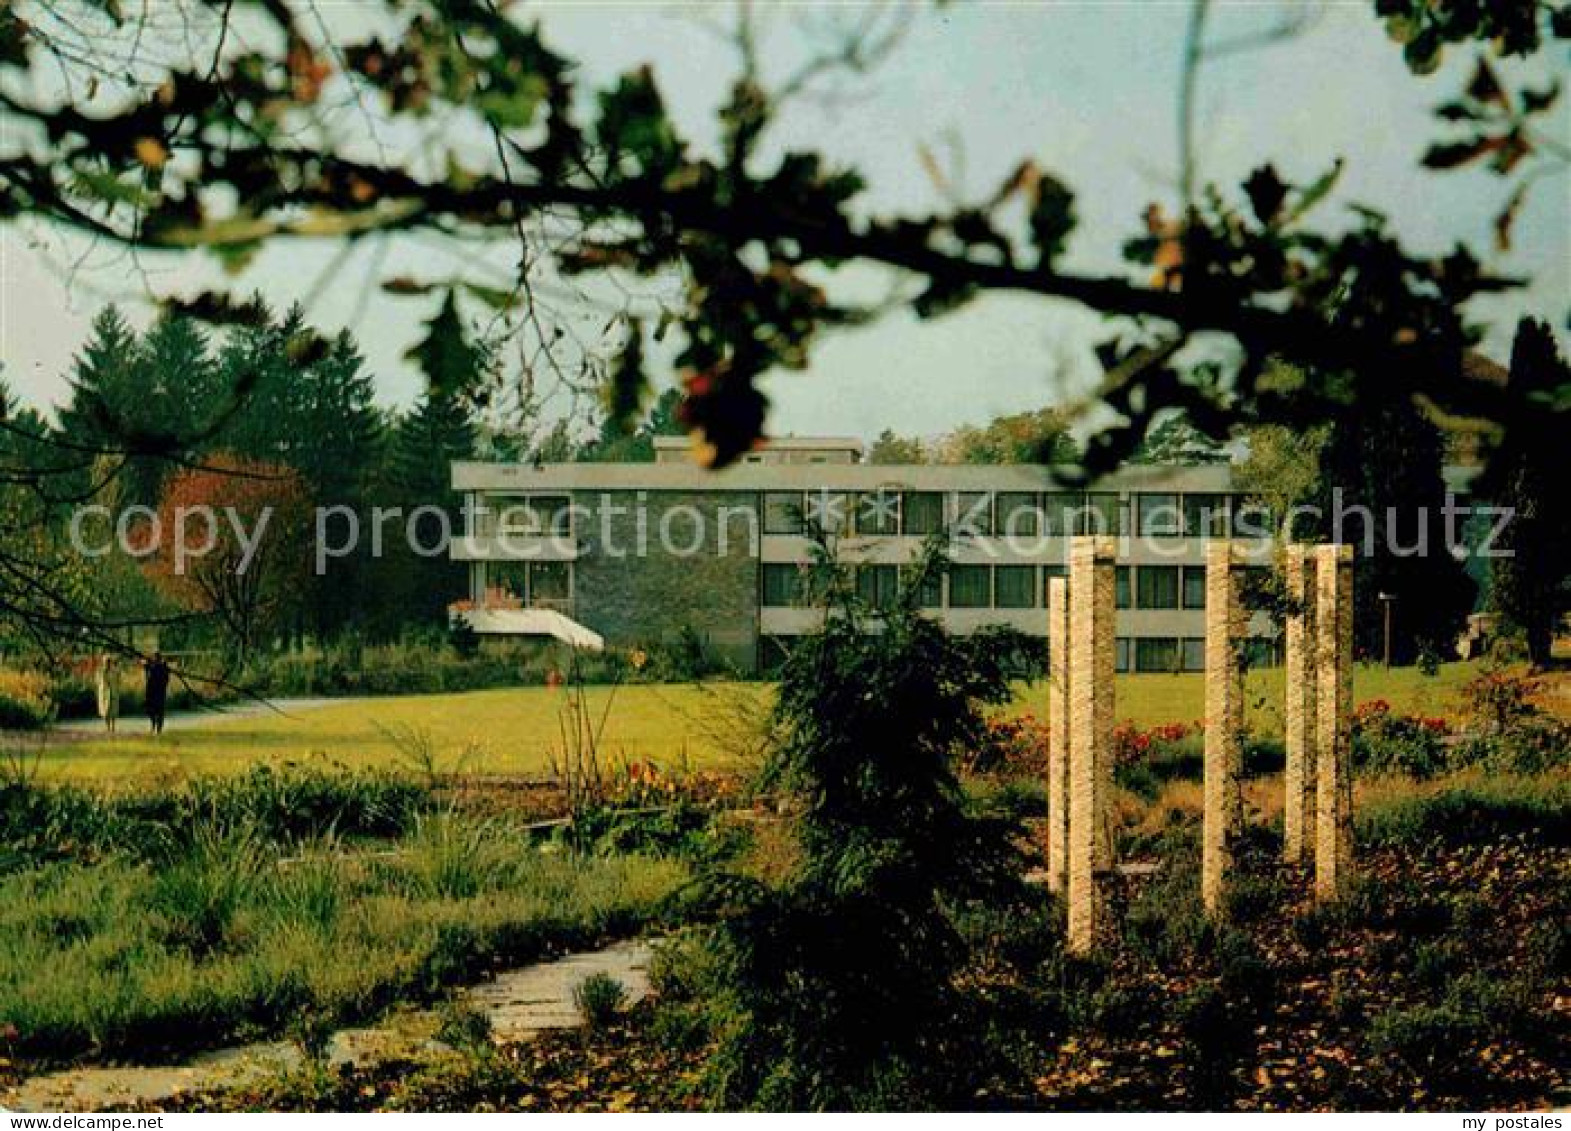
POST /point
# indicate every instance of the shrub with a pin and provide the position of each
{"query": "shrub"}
(1437, 1043)
(1012, 746)
(598, 999)
(1532, 746)
(464, 1026)
(1389, 743)
(25, 702)
(1216, 1034)
(1473, 813)
(840, 988)
(1498, 700)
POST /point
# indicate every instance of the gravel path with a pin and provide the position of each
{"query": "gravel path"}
(133, 725)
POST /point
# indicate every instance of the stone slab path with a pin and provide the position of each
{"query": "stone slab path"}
(520, 1004)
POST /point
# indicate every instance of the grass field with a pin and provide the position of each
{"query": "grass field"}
(519, 731)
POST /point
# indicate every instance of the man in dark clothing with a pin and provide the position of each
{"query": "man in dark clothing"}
(157, 692)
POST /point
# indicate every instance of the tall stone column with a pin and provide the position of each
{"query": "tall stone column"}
(1224, 723)
(1057, 733)
(1092, 609)
(1298, 812)
(1333, 746)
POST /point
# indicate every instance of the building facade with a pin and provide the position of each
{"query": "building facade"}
(639, 553)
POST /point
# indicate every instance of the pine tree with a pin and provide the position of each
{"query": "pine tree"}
(139, 399)
(426, 441)
(337, 454)
(1177, 442)
(1528, 587)
(1387, 457)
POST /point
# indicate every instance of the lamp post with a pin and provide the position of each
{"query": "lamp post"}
(1386, 601)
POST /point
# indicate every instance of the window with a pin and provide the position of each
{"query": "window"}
(1060, 511)
(878, 513)
(829, 511)
(782, 585)
(513, 519)
(923, 512)
(1121, 583)
(1194, 587)
(1160, 515)
(1102, 513)
(930, 594)
(1015, 587)
(507, 584)
(541, 514)
(1018, 515)
(974, 513)
(1156, 654)
(1121, 654)
(1205, 516)
(782, 512)
(555, 514)
(1156, 587)
(970, 587)
(550, 584)
(1194, 654)
(877, 585)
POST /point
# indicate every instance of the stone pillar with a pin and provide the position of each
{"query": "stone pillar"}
(1333, 745)
(1298, 811)
(1092, 609)
(1224, 722)
(1057, 733)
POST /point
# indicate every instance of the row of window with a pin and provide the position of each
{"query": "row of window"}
(1000, 513)
(786, 585)
(920, 513)
(1185, 654)
(535, 515)
(530, 584)
(1149, 654)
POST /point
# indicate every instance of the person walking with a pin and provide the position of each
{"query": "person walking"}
(156, 694)
(108, 691)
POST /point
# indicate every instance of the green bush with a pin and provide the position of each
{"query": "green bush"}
(1388, 743)
(1473, 813)
(466, 1027)
(25, 701)
(1437, 1043)
(840, 988)
(598, 999)
(43, 822)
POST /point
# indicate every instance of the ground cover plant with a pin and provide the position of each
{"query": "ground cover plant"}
(239, 909)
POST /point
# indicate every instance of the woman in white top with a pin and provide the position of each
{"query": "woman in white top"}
(108, 691)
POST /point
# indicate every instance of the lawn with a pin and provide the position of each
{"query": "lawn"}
(518, 732)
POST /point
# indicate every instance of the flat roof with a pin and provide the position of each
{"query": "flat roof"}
(473, 476)
(779, 443)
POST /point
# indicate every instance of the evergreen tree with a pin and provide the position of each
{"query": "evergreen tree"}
(426, 441)
(1386, 457)
(1528, 587)
(139, 400)
(615, 446)
(1175, 441)
(339, 449)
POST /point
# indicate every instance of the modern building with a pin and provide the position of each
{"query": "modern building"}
(637, 553)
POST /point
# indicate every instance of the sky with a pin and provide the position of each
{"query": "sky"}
(1085, 89)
